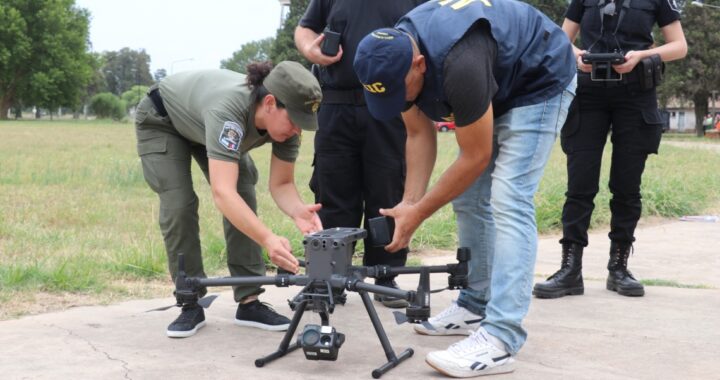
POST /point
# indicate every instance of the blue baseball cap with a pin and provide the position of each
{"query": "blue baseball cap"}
(381, 63)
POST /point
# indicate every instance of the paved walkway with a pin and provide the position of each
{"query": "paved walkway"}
(671, 333)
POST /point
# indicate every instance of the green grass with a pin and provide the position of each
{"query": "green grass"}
(76, 214)
(672, 284)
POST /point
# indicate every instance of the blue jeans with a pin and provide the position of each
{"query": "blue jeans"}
(496, 217)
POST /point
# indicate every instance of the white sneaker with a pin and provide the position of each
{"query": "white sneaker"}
(454, 320)
(475, 355)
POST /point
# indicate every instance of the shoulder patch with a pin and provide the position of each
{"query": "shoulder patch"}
(231, 136)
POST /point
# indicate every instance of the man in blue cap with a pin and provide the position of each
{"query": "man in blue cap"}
(506, 74)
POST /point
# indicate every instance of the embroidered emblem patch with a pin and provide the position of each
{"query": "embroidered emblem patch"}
(231, 136)
(314, 105)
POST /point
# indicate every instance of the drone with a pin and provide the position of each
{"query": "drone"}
(328, 274)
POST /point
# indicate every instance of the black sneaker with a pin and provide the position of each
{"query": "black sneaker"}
(390, 301)
(191, 319)
(260, 315)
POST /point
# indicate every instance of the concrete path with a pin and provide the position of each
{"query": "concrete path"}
(671, 333)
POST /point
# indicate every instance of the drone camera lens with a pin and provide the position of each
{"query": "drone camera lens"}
(310, 337)
(325, 340)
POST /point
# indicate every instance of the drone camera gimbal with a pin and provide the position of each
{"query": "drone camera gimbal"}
(328, 274)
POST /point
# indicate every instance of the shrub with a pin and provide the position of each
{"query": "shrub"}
(106, 105)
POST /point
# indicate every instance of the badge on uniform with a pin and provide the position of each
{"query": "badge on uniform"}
(231, 136)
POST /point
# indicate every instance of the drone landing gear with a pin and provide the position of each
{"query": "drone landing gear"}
(393, 360)
(285, 346)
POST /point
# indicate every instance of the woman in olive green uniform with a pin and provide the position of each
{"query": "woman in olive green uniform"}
(216, 117)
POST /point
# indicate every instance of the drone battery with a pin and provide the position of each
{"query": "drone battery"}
(379, 231)
(330, 46)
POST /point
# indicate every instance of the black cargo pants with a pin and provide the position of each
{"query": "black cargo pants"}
(631, 117)
(166, 158)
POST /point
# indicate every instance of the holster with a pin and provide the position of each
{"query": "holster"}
(652, 72)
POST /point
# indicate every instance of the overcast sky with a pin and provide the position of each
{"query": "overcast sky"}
(181, 35)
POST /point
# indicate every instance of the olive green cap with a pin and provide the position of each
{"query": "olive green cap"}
(296, 88)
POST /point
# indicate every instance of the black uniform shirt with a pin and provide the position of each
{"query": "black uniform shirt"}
(469, 83)
(635, 29)
(353, 19)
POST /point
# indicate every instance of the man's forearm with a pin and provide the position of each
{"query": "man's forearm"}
(420, 154)
(304, 37)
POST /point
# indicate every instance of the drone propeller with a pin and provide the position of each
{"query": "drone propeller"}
(162, 308)
(401, 318)
(205, 302)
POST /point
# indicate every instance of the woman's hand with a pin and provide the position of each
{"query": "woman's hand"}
(631, 60)
(280, 253)
(584, 67)
(307, 220)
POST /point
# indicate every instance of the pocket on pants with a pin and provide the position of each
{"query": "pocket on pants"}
(152, 145)
(650, 131)
(147, 148)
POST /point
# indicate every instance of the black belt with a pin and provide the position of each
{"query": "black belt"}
(157, 102)
(355, 97)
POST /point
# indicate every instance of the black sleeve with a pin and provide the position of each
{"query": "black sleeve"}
(469, 83)
(668, 13)
(575, 11)
(315, 16)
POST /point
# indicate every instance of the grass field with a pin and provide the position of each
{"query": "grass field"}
(76, 215)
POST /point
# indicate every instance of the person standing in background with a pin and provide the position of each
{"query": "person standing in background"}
(622, 103)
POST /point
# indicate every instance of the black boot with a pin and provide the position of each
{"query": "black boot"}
(620, 279)
(568, 280)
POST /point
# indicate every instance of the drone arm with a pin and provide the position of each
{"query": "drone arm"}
(357, 285)
(279, 280)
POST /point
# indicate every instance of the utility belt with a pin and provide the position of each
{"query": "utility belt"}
(354, 97)
(154, 95)
(646, 75)
(351, 96)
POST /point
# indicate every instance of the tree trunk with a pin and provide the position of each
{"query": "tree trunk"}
(701, 108)
(5, 104)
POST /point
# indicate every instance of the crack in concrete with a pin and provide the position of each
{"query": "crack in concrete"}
(89, 343)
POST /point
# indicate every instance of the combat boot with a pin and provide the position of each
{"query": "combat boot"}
(566, 281)
(620, 279)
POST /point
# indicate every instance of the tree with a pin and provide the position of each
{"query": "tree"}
(698, 74)
(126, 68)
(250, 52)
(284, 47)
(160, 74)
(43, 53)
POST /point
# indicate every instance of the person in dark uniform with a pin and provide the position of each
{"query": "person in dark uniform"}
(216, 117)
(359, 164)
(623, 103)
(506, 74)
